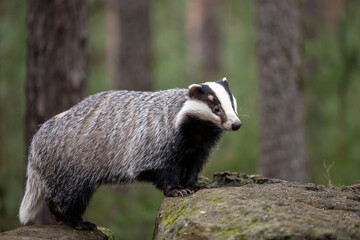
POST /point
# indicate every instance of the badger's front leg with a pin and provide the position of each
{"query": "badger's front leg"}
(190, 179)
(169, 183)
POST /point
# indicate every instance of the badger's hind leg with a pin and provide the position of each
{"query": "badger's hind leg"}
(68, 207)
(72, 218)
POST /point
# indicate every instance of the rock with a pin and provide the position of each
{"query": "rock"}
(60, 232)
(241, 206)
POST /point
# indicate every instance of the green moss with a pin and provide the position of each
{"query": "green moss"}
(231, 231)
(169, 208)
(271, 208)
(218, 200)
(193, 212)
(107, 232)
(234, 231)
(171, 215)
(249, 225)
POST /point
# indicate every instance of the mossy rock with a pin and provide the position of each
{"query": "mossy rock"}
(60, 232)
(241, 206)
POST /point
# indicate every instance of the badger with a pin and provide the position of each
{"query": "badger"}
(120, 136)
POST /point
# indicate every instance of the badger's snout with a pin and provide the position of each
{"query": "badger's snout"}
(236, 125)
(232, 124)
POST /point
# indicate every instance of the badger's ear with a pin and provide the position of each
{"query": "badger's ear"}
(195, 90)
(224, 81)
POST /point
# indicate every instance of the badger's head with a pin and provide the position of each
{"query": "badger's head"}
(212, 102)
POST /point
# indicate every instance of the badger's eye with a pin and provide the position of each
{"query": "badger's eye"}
(216, 109)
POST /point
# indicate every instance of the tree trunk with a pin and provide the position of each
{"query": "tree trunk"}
(202, 29)
(283, 143)
(334, 11)
(56, 63)
(313, 18)
(129, 44)
(113, 39)
(1, 142)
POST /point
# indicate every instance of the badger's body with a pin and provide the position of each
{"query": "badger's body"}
(121, 136)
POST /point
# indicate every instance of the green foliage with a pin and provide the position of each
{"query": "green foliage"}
(12, 105)
(169, 59)
(129, 211)
(98, 79)
(332, 96)
(239, 151)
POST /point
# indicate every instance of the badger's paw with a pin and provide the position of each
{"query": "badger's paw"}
(177, 192)
(85, 226)
(197, 187)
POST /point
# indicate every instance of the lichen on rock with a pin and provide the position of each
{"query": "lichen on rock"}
(241, 206)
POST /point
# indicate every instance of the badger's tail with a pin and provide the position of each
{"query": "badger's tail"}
(33, 198)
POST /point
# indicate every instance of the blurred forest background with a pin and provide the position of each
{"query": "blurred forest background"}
(292, 65)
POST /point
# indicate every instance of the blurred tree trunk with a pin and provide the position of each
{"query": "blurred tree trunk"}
(314, 17)
(312, 21)
(1, 134)
(283, 143)
(56, 64)
(203, 33)
(129, 44)
(1, 144)
(334, 10)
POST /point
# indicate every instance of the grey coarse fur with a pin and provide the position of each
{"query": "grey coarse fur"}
(109, 137)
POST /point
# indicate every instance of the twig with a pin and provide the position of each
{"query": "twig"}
(327, 171)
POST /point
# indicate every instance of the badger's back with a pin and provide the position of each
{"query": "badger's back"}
(111, 136)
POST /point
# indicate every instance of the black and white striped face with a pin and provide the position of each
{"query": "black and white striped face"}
(213, 101)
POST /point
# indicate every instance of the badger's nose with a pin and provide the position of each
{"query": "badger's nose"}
(236, 125)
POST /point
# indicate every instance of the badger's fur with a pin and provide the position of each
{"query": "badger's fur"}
(121, 136)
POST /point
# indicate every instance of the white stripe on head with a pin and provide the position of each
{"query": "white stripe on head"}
(225, 100)
(235, 105)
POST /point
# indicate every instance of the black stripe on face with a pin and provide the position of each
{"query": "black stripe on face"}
(225, 85)
(209, 97)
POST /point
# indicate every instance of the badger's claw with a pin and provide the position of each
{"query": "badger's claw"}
(188, 190)
(178, 192)
(197, 187)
